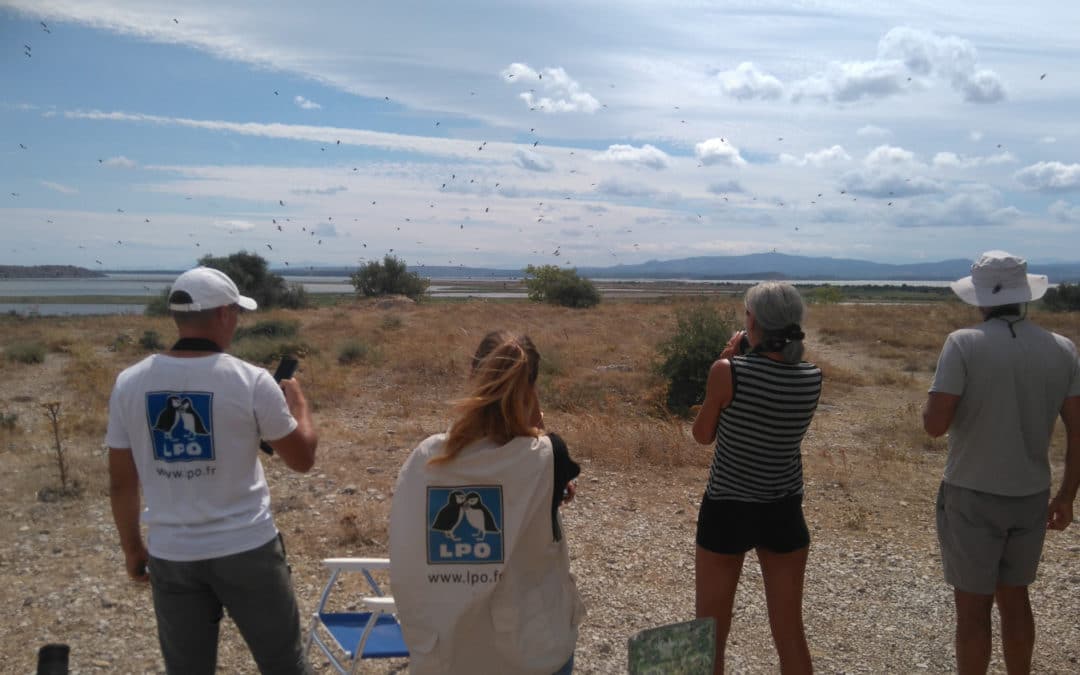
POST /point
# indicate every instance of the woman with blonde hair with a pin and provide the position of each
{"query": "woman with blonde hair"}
(759, 400)
(479, 569)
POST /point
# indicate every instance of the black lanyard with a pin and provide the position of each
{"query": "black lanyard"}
(196, 344)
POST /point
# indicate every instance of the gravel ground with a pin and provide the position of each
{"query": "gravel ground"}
(875, 600)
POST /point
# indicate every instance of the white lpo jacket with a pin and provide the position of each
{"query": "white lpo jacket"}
(481, 585)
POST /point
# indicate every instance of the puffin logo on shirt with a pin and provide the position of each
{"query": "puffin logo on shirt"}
(465, 524)
(181, 425)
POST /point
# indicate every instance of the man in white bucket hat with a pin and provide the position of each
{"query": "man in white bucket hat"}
(998, 390)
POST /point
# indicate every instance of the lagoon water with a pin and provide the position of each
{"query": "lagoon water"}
(150, 284)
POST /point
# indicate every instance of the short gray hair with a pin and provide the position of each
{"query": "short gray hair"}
(777, 307)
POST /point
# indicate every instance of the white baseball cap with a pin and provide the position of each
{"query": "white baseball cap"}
(206, 288)
(1000, 278)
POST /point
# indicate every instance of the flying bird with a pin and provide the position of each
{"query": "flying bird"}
(281, 202)
(176, 20)
(22, 146)
(270, 247)
(1043, 76)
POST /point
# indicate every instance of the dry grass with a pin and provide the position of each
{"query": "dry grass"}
(865, 456)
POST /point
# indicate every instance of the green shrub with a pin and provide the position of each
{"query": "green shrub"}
(700, 335)
(391, 322)
(8, 420)
(825, 295)
(1063, 298)
(266, 351)
(389, 277)
(552, 284)
(270, 328)
(295, 296)
(159, 304)
(353, 351)
(253, 277)
(25, 352)
(151, 341)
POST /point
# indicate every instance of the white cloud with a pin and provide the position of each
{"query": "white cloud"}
(619, 188)
(824, 156)
(718, 151)
(888, 155)
(59, 187)
(872, 131)
(332, 190)
(976, 135)
(446, 147)
(647, 156)
(903, 54)
(120, 162)
(889, 171)
(1065, 212)
(1050, 177)
(950, 160)
(1049, 140)
(235, 225)
(852, 81)
(978, 206)
(302, 102)
(949, 57)
(561, 92)
(747, 82)
(532, 161)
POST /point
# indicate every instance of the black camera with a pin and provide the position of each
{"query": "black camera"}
(744, 344)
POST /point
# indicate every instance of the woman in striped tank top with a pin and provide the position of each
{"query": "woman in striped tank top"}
(759, 400)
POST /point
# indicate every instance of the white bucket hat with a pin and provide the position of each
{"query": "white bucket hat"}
(1000, 278)
(206, 288)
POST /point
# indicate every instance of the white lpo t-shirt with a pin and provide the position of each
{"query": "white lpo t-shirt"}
(193, 426)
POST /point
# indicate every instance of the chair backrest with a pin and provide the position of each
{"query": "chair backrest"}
(371, 631)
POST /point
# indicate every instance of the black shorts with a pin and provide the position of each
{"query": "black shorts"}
(732, 527)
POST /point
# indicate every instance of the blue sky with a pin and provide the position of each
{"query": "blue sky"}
(497, 133)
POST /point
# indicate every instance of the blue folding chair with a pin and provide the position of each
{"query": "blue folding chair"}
(371, 632)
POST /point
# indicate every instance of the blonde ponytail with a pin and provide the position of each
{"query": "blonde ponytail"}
(501, 397)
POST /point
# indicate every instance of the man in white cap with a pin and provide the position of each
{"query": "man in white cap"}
(186, 425)
(998, 389)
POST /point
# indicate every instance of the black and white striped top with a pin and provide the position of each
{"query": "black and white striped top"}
(758, 456)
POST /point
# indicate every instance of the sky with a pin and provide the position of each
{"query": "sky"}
(137, 134)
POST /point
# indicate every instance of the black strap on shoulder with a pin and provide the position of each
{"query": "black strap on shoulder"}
(196, 344)
(1003, 313)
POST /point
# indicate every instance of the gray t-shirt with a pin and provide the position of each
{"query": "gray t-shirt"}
(1011, 392)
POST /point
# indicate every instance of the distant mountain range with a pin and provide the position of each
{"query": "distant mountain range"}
(751, 267)
(740, 267)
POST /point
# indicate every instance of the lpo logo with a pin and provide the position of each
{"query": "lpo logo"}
(181, 425)
(465, 524)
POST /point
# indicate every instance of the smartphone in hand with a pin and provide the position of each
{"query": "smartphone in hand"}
(285, 370)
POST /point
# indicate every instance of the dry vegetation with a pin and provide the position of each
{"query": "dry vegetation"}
(875, 601)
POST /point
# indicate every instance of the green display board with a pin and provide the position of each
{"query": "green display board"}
(678, 649)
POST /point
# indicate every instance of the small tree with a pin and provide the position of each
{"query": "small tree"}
(558, 286)
(389, 277)
(253, 277)
(700, 335)
(826, 295)
(1063, 298)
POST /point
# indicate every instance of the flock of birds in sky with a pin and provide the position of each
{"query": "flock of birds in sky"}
(281, 224)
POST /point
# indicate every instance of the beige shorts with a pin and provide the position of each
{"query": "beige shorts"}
(989, 540)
